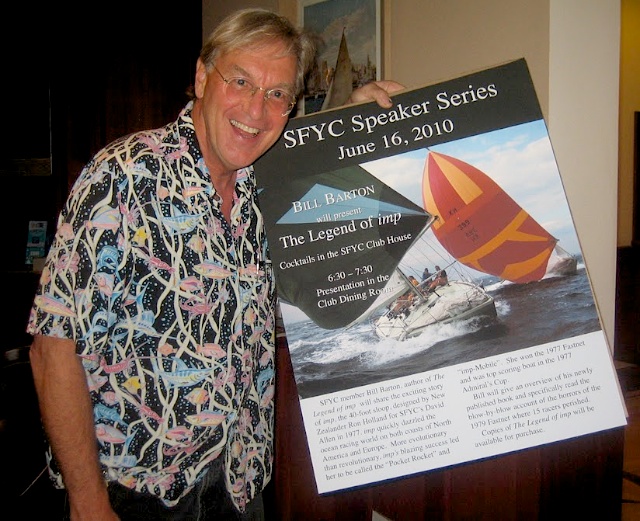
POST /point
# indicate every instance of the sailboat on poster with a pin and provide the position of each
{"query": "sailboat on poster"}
(483, 229)
(459, 300)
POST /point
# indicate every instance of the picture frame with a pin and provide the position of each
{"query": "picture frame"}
(351, 25)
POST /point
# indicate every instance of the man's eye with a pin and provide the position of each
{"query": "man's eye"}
(240, 83)
(281, 95)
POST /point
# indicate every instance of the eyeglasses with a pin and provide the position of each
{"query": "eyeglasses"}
(277, 100)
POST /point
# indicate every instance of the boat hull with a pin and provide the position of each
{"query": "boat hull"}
(456, 301)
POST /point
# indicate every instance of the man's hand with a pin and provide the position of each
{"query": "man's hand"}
(378, 91)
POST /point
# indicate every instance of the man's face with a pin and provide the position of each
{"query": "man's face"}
(238, 129)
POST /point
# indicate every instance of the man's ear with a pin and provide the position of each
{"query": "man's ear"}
(201, 78)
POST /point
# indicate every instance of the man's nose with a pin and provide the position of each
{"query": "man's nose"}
(257, 102)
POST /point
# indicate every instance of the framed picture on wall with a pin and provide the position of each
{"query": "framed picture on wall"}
(349, 49)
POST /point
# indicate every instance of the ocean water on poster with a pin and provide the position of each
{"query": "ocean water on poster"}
(531, 314)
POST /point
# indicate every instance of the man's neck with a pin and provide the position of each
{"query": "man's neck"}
(222, 179)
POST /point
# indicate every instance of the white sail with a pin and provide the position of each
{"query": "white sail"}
(561, 263)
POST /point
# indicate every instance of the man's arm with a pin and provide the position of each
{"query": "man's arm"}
(67, 415)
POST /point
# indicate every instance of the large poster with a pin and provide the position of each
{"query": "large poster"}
(434, 295)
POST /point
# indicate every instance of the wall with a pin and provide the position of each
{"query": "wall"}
(453, 38)
(583, 108)
(572, 49)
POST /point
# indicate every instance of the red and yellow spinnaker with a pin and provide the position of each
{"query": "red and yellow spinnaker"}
(480, 224)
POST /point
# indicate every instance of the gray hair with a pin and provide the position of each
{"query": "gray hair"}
(255, 28)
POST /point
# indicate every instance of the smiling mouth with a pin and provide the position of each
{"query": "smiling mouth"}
(245, 128)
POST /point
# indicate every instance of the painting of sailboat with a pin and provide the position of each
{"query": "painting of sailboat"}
(349, 52)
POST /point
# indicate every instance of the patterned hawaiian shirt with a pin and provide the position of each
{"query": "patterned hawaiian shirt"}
(172, 312)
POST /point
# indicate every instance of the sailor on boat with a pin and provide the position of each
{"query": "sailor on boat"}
(440, 279)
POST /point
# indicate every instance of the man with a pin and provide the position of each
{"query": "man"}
(153, 350)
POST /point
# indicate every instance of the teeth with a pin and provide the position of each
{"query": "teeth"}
(241, 126)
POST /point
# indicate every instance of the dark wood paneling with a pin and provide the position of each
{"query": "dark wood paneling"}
(100, 71)
(627, 322)
(125, 67)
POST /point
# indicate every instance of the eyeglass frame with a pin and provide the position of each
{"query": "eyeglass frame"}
(255, 88)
